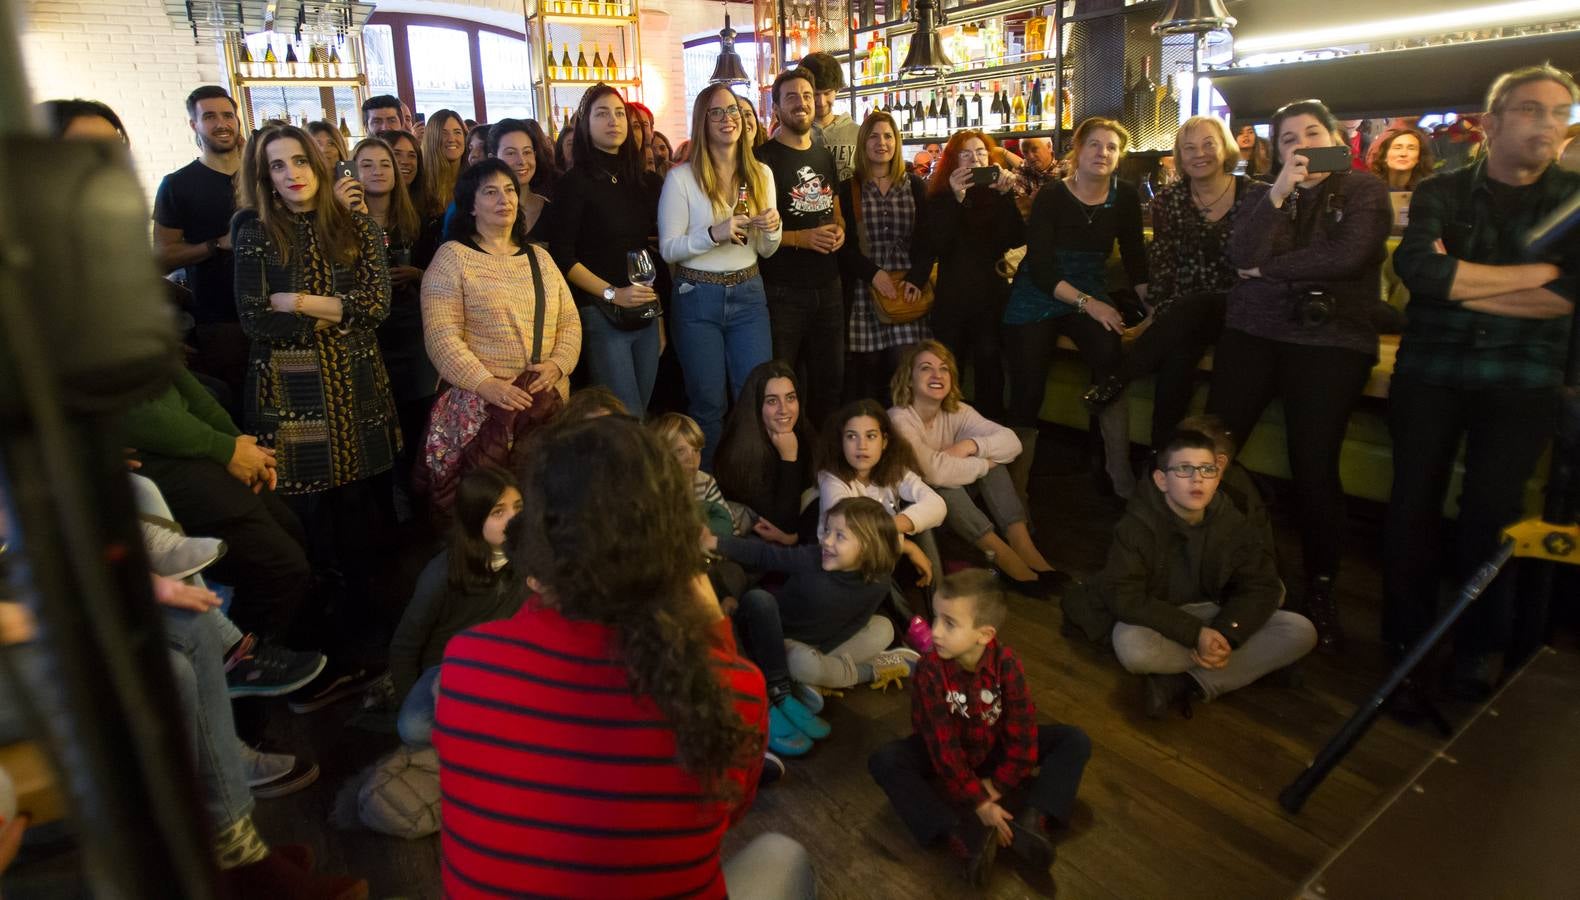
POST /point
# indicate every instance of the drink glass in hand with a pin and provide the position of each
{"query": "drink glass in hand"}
(639, 268)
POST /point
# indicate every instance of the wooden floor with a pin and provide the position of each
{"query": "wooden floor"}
(1177, 808)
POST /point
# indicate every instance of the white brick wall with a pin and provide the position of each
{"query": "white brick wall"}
(129, 54)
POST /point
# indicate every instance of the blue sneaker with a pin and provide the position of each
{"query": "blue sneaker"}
(809, 697)
(802, 718)
(783, 737)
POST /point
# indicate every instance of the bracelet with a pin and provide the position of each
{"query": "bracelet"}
(1080, 303)
(213, 246)
(298, 304)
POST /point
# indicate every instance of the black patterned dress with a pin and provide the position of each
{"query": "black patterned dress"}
(319, 397)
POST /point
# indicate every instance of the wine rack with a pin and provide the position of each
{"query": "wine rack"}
(282, 79)
(580, 43)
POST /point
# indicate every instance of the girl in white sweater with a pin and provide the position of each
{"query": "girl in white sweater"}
(960, 453)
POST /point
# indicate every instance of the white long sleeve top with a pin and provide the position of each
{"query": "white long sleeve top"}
(920, 503)
(684, 216)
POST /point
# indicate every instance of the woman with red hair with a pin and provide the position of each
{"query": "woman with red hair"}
(971, 226)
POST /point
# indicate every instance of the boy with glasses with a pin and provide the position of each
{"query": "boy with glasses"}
(1189, 596)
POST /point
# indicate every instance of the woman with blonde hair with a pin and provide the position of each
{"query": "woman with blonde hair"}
(443, 149)
(719, 313)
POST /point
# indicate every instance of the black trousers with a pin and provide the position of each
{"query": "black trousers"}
(265, 558)
(905, 772)
(1029, 349)
(1171, 348)
(867, 375)
(761, 636)
(808, 330)
(969, 327)
(346, 526)
(1505, 432)
(1318, 387)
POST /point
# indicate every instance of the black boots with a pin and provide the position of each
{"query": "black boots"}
(1323, 611)
(1099, 395)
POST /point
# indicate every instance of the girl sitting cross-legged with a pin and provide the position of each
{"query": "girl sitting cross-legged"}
(822, 629)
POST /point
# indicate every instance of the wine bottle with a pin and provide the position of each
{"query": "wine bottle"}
(1036, 36)
(1018, 109)
(933, 126)
(597, 63)
(976, 108)
(995, 116)
(962, 120)
(918, 118)
(345, 132)
(1139, 96)
(1034, 106)
(567, 70)
(290, 60)
(581, 62)
(1067, 105)
(610, 71)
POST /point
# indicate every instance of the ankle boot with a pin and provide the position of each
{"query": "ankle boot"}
(1323, 611)
(1104, 392)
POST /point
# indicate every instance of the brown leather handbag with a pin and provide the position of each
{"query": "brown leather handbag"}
(893, 310)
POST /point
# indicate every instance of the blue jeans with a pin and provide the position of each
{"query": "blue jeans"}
(414, 724)
(197, 663)
(625, 362)
(718, 332)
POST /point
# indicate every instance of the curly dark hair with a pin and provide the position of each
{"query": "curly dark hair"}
(897, 458)
(617, 545)
(745, 455)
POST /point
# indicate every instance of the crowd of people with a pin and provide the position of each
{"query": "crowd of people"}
(642, 604)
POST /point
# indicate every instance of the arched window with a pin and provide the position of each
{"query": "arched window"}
(481, 71)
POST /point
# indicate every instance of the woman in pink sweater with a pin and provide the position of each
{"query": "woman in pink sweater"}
(962, 455)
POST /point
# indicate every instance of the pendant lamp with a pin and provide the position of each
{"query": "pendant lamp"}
(1194, 17)
(926, 56)
(728, 69)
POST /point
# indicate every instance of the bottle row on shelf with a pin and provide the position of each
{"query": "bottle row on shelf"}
(971, 45)
(603, 66)
(1024, 106)
(311, 61)
(602, 9)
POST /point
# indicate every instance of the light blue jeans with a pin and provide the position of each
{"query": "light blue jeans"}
(720, 333)
(414, 724)
(197, 663)
(625, 362)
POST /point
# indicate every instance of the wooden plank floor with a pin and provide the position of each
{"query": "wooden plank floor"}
(1177, 808)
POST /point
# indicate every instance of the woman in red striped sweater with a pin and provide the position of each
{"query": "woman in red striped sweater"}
(601, 741)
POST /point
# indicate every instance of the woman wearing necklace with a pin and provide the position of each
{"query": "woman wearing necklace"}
(1298, 328)
(1191, 275)
(604, 208)
(1062, 285)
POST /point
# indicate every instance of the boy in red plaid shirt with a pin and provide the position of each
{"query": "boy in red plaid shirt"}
(978, 740)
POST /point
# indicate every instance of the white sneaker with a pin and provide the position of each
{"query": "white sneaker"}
(272, 775)
(174, 555)
(891, 666)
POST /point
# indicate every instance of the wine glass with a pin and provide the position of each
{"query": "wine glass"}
(639, 266)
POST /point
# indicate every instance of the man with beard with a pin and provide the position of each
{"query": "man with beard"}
(1481, 360)
(806, 311)
(192, 213)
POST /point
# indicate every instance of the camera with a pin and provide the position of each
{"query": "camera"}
(1314, 307)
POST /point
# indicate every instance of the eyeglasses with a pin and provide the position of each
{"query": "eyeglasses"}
(720, 113)
(1536, 112)
(1186, 470)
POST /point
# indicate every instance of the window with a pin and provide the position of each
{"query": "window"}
(378, 48)
(700, 56)
(432, 63)
(507, 76)
(441, 70)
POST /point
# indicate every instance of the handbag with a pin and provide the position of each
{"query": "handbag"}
(894, 310)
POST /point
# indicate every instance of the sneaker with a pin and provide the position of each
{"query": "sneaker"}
(802, 718)
(773, 770)
(1160, 692)
(256, 668)
(174, 555)
(331, 686)
(809, 697)
(891, 666)
(276, 876)
(1031, 843)
(918, 636)
(784, 738)
(272, 775)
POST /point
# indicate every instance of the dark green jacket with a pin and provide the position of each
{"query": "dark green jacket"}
(185, 422)
(1237, 573)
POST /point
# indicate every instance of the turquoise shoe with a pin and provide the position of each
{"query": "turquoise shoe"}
(802, 718)
(784, 738)
(809, 697)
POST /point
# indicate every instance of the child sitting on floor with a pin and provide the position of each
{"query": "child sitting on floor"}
(1234, 480)
(1190, 595)
(821, 630)
(683, 436)
(469, 583)
(976, 733)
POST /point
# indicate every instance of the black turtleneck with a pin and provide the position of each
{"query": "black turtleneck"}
(598, 216)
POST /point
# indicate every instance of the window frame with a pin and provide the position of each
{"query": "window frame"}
(405, 89)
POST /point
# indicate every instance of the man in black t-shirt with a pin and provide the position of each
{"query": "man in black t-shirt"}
(192, 213)
(806, 309)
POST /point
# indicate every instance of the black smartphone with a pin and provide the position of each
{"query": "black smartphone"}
(420, 118)
(343, 170)
(984, 175)
(1326, 159)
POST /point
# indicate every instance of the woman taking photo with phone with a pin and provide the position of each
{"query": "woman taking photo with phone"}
(605, 214)
(716, 216)
(972, 221)
(1308, 250)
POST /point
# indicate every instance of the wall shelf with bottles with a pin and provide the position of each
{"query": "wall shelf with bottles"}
(584, 9)
(957, 76)
(580, 43)
(316, 76)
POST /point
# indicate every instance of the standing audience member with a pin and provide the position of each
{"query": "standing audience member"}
(470, 582)
(408, 161)
(756, 134)
(765, 456)
(719, 313)
(1481, 360)
(836, 130)
(1192, 220)
(663, 155)
(606, 208)
(476, 144)
(971, 227)
(976, 739)
(192, 213)
(1062, 284)
(638, 644)
(805, 306)
(443, 147)
(1255, 154)
(330, 142)
(1401, 157)
(383, 113)
(1298, 328)
(890, 256)
(963, 455)
(312, 285)
(564, 151)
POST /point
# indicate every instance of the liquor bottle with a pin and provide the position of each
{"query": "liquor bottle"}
(1036, 37)
(597, 64)
(567, 70)
(576, 7)
(962, 119)
(290, 60)
(581, 62)
(1018, 109)
(933, 126)
(1067, 104)
(344, 131)
(995, 116)
(918, 118)
(977, 119)
(880, 58)
(610, 71)
(271, 62)
(1034, 106)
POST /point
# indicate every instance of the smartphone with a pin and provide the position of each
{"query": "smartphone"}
(1326, 159)
(984, 175)
(419, 118)
(343, 170)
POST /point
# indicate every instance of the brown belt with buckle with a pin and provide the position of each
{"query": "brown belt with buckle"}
(728, 279)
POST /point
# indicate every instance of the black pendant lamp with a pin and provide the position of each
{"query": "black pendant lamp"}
(926, 55)
(1194, 17)
(728, 69)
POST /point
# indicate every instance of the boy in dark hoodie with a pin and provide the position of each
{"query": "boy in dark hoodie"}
(1190, 595)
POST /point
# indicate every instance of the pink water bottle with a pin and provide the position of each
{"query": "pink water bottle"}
(919, 636)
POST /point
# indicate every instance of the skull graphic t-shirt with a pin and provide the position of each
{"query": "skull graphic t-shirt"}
(806, 182)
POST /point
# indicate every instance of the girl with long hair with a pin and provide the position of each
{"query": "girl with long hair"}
(719, 312)
(443, 152)
(860, 455)
(470, 582)
(756, 134)
(765, 456)
(330, 142)
(1402, 157)
(408, 161)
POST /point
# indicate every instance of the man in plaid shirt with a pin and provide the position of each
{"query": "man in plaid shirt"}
(977, 736)
(1481, 359)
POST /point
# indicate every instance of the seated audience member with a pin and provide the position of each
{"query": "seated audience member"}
(976, 741)
(591, 402)
(765, 455)
(683, 436)
(625, 686)
(76, 120)
(1189, 592)
(469, 583)
(1234, 480)
(962, 455)
(822, 630)
(1402, 157)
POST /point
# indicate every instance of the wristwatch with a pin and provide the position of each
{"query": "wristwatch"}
(1080, 303)
(608, 294)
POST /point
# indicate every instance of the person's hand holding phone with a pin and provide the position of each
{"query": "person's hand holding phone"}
(348, 193)
(960, 182)
(1296, 169)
